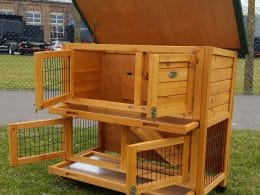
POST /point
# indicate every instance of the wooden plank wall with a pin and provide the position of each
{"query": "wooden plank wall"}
(220, 87)
(87, 73)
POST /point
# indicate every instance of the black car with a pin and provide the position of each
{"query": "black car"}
(11, 32)
(257, 46)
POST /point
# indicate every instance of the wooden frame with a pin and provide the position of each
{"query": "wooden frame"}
(13, 130)
(189, 90)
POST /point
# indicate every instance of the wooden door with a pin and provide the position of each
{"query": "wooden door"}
(38, 140)
(170, 85)
(52, 77)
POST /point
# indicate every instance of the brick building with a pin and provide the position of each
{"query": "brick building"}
(53, 15)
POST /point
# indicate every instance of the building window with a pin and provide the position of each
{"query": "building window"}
(33, 18)
(7, 11)
(57, 26)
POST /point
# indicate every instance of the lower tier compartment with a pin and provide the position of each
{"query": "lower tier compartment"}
(91, 174)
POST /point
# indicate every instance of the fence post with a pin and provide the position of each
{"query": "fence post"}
(249, 65)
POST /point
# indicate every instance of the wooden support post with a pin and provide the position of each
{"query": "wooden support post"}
(131, 171)
(124, 143)
(138, 79)
(229, 125)
(12, 130)
(67, 136)
(194, 158)
(204, 121)
(185, 158)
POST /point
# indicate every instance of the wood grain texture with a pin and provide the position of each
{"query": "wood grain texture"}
(175, 21)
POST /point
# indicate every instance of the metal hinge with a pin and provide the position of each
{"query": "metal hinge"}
(132, 190)
(154, 113)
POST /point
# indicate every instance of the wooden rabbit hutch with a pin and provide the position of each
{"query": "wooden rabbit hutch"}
(139, 115)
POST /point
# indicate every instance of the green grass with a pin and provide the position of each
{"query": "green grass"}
(244, 173)
(16, 72)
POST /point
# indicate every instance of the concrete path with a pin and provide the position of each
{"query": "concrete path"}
(17, 106)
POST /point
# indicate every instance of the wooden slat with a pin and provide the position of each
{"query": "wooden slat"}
(172, 111)
(88, 57)
(175, 58)
(98, 163)
(163, 75)
(166, 65)
(67, 136)
(13, 148)
(138, 79)
(207, 74)
(217, 111)
(42, 157)
(185, 158)
(133, 48)
(190, 85)
(219, 99)
(152, 83)
(131, 170)
(159, 184)
(53, 54)
(219, 87)
(214, 183)
(38, 123)
(144, 146)
(172, 88)
(229, 124)
(172, 101)
(172, 127)
(87, 86)
(124, 143)
(221, 75)
(221, 62)
(217, 119)
(224, 52)
(83, 77)
(107, 104)
(38, 81)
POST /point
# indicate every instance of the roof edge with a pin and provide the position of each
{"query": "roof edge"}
(241, 27)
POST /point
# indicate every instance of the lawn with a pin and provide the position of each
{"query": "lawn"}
(244, 174)
(16, 72)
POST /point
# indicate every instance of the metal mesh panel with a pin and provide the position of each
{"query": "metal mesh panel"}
(215, 152)
(85, 135)
(39, 140)
(56, 77)
(158, 165)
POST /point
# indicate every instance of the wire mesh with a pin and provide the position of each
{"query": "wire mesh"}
(39, 140)
(85, 135)
(56, 77)
(215, 152)
(160, 164)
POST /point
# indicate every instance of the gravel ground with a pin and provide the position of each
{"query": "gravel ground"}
(17, 106)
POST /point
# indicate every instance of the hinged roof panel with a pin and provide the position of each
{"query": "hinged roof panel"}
(165, 22)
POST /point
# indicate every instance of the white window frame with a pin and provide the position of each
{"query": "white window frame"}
(57, 25)
(56, 20)
(7, 11)
(33, 18)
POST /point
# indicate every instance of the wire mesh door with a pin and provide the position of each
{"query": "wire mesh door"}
(52, 77)
(37, 140)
